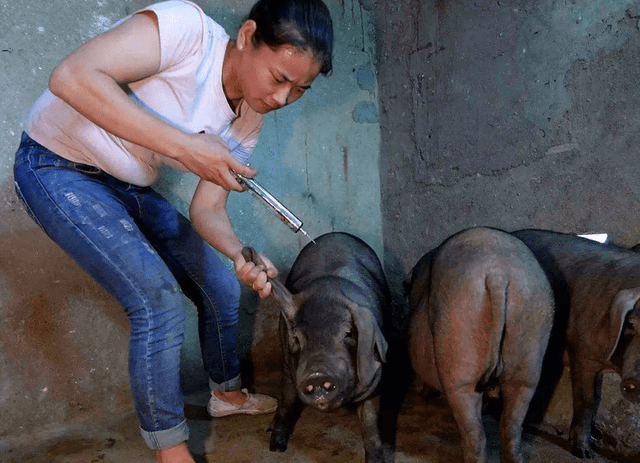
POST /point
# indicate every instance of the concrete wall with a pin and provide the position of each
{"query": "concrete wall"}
(63, 339)
(511, 114)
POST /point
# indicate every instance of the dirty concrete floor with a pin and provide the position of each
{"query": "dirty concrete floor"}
(426, 433)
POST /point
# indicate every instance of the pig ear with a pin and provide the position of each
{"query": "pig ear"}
(370, 341)
(284, 299)
(279, 292)
(622, 304)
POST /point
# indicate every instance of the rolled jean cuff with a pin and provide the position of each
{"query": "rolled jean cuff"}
(167, 438)
(227, 386)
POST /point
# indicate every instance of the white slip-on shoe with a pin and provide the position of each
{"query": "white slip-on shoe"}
(255, 404)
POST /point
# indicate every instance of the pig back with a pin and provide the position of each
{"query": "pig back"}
(572, 262)
(478, 286)
(586, 277)
(482, 259)
(468, 257)
(342, 256)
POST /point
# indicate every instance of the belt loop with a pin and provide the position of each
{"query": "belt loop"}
(86, 168)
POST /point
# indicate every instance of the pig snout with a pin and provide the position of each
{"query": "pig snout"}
(320, 390)
(630, 389)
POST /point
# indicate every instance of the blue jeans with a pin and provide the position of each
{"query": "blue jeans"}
(144, 252)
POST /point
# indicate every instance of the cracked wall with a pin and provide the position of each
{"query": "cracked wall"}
(507, 114)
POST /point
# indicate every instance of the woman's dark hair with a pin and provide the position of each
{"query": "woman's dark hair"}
(305, 24)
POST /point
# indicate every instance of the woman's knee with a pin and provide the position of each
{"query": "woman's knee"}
(224, 299)
(161, 310)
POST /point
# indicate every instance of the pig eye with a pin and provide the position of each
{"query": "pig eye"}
(295, 343)
(628, 328)
(349, 337)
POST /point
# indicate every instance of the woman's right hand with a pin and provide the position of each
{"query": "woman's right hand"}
(209, 158)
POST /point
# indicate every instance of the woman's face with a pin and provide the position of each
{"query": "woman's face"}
(275, 78)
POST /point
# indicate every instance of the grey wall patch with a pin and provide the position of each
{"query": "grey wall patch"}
(366, 78)
(365, 112)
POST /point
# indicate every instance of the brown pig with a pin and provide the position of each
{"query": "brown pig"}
(482, 310)
(597, 286)
(331, 335)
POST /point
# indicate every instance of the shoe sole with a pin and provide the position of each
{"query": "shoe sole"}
(220, 414)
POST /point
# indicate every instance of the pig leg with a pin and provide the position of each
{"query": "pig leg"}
(516, 398)
(397, 377)
(583, 379)
(466, 405)
(522, 366)
(368, 411)
(289, 409)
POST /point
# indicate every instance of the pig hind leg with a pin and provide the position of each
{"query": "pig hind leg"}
(518, 383)
(516, 397)
(466, 404)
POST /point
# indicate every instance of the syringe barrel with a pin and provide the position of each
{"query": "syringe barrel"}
(284, 214)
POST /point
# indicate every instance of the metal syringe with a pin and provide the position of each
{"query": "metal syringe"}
(275, 206)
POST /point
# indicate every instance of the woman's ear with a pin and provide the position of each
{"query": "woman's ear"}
(245, 34)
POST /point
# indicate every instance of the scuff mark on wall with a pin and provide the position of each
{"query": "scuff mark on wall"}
(345, 163)
(345, 173)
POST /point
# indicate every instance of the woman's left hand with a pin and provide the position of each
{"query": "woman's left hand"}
(256, 276)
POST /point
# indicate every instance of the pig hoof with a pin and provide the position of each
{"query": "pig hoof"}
(278, 443)
(582, 453)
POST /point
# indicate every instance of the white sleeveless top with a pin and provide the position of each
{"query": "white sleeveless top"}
(186, 92)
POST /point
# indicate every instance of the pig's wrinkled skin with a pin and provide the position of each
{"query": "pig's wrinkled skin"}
(598, 286)
(331, 336)
(482, 310)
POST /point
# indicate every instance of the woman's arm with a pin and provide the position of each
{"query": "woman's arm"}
(90, 80)
(208, 212)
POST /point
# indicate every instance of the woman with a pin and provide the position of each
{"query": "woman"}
(167, 86)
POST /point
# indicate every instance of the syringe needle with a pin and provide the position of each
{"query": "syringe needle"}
(307, 235)
(275, 206)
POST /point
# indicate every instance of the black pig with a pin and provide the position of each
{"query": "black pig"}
(482, 311)
(597, 286)
(331, 336)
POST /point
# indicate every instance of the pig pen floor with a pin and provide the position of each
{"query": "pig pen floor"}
(426, 433)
